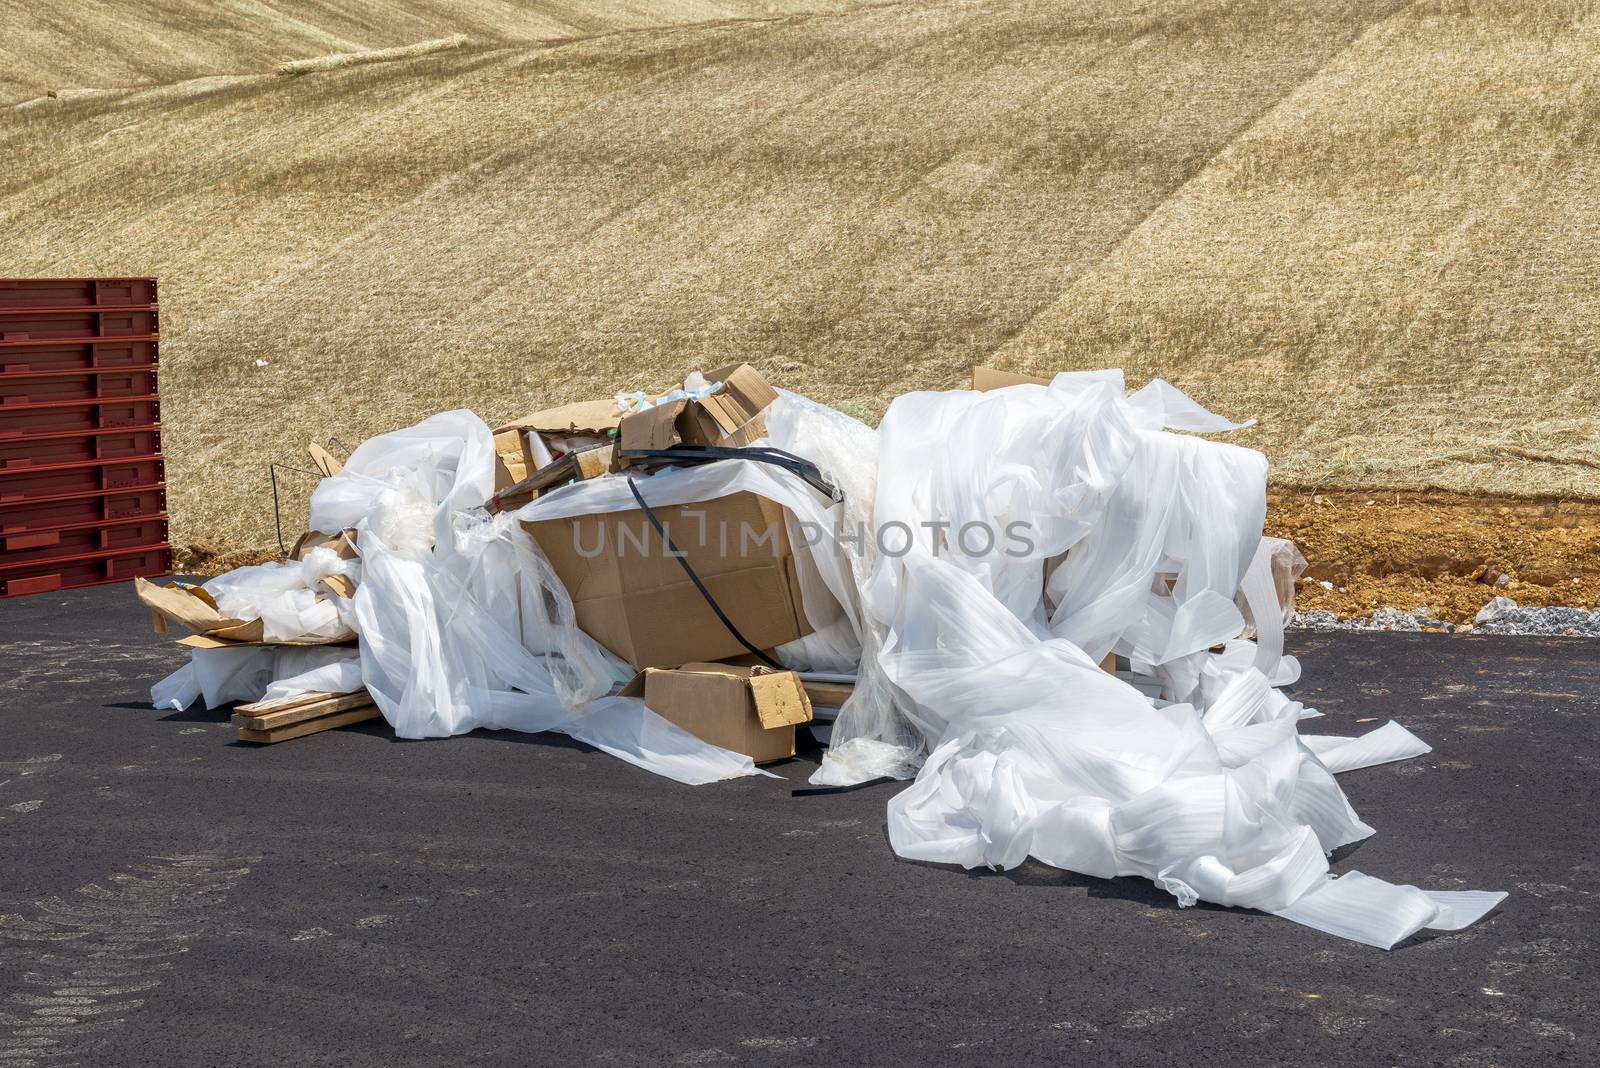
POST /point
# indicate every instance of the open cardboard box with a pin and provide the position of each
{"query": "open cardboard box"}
(592, 418)
(750, 710)
(731, 417)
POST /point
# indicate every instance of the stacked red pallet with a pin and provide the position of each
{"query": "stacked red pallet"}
(82, 491)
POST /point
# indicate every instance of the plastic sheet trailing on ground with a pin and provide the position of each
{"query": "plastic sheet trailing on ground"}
(981, 554)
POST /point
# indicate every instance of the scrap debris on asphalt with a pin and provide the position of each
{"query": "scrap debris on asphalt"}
(1052, 614)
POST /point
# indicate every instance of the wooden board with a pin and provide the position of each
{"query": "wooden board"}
(305, 727)
(828, 694)
(269, 715)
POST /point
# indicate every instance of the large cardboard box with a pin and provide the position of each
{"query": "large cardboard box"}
(750, 710)
(633, 597)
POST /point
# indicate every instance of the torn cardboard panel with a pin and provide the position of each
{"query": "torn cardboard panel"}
(192, 608)
(744, 395)
(653, 428)
(508, 454)
(324, 460)
(749, 710)
(987, 378)
(592, 419)
(633, 597)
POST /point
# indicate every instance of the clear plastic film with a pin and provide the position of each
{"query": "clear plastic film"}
(1142, 542)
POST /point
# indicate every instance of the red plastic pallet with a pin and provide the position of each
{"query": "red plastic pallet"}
(25, 387)
(94, 476)
(126, 534)
(27, 324)
(82, 490)
(73, 509)
(75, 292)
(69, 416)
(58, 354)
(83, 569)
(40, 449)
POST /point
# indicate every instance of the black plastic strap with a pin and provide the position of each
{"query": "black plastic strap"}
(703, 454)
(683, 562)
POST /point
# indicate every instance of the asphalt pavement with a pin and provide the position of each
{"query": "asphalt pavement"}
(171, 896)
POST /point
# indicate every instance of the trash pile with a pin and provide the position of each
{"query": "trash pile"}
(1055, 616)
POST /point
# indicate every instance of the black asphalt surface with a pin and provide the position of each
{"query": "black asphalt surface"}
(170, 896)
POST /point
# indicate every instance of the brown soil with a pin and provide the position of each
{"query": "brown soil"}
(215, 557)
(1434, 550)
(1439, 551)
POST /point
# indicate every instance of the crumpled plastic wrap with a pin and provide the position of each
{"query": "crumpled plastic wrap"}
(288, 598)
(257, 673)
(1139, 542)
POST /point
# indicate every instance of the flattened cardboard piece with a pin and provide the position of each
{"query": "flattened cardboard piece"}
(210, 641)
(747, 710)
(343, 544)
(986, 378)
(584, 417)
(206, 641)
(653, 428)
(323, 460)
(193, 609)
(633, 598)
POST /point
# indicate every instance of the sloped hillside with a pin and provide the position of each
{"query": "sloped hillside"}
(1397, 267)
(1249, 198)
(110, 44)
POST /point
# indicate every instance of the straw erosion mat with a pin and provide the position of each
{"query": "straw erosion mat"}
(1373, 224)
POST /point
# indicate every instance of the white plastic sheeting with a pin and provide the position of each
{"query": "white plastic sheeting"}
(258, 672)
(1140, 542)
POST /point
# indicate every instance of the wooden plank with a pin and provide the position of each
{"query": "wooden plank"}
(259, 708)
(828, 694)
(267, 715)
(309, 726)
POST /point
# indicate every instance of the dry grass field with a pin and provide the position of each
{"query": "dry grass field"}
(1374, 224)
